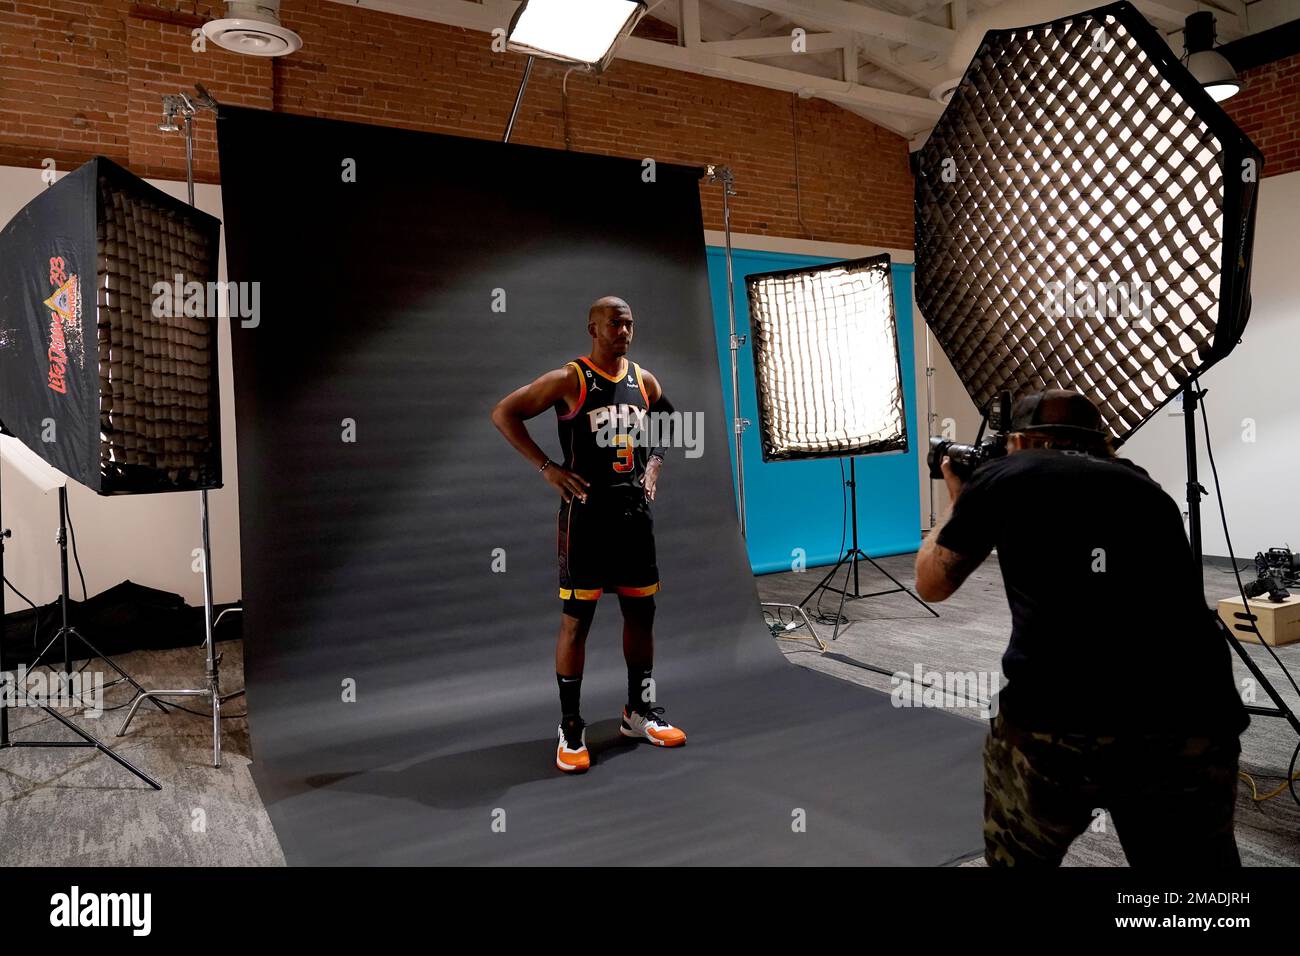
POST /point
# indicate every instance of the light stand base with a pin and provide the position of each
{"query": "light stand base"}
(87, 740)
(69, 634)
(798, 609)
(1192, 395)
(852, 558)
(212, 693)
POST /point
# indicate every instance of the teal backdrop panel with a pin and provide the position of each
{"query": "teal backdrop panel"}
(797, 507)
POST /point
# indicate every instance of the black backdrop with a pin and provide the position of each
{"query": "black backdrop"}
(371, 560)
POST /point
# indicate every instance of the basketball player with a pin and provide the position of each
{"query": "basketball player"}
(606, 538)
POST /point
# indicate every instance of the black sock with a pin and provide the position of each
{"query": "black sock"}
(638, 688)
(570, 695)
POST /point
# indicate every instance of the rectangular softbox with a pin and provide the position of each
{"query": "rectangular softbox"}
(108, 333)
(826, 362)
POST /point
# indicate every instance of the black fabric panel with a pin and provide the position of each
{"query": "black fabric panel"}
(372, 560)
(59, 224)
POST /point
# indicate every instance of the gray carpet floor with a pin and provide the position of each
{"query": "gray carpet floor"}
(61, 807)
(66, 807)
(895, 633)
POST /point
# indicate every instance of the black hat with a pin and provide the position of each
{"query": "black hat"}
(1057, 410)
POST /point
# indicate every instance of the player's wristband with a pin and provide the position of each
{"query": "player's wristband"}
(546, 464)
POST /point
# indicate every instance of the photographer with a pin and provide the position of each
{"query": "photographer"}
(1119, 693)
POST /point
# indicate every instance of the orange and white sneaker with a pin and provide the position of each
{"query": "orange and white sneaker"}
(652, 726)
(571, 754)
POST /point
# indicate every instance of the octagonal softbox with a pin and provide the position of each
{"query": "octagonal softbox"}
(105, 375)
(1084, 218)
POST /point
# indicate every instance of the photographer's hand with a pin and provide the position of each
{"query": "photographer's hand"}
(951, 479)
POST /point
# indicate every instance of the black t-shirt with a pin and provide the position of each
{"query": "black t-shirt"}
(1110, 631)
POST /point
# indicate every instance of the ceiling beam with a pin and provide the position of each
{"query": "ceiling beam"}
(856, 18)
(777, 45)
(689, 32)
(764, 25)
(957, 14)
(492, 14)
(918, 74)
(699, 60)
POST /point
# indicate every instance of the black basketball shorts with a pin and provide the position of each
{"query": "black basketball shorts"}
(607, 544)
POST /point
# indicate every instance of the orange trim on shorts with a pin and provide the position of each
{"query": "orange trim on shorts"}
(582, 394)
(639, 592)
(581, 594)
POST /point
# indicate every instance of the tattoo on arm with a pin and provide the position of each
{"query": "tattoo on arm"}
(956, 567)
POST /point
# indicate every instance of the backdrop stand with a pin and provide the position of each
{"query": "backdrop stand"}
(853, 557)
(722, 174)
(87, 739)
(1192, 394)
(181, 103)
(519, 99)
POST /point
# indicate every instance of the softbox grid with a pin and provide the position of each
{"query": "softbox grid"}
(1084, 215)
(826, 361)
(158, 407)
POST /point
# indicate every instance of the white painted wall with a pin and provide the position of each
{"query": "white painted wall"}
(148, 539)
(1257, 381)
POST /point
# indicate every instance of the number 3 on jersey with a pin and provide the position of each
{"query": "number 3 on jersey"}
(623, 460)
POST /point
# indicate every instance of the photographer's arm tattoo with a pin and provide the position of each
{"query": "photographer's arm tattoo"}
(940, 571)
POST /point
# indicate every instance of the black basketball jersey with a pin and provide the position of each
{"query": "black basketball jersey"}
(597, 436)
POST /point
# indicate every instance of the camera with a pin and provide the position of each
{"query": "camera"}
(1276, 570)
(1278, 559)
(964, 459)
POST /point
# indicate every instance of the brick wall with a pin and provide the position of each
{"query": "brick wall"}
(1268, 109)
(80, 78)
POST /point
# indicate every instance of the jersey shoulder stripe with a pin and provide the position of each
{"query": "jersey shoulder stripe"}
(582, 393)
(641, 384)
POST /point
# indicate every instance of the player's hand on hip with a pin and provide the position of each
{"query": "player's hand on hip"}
(570, 484)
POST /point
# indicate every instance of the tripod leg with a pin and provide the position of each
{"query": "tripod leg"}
(825, 580)
(216, 723)
(901, 586)
(844, 593)
(92, 741)
(1283, 709)
(121, 673)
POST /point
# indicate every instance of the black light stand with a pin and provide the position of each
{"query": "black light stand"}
(1192, 394)
(66, 631)
(852, 557)
(87, 739)
(185, 105)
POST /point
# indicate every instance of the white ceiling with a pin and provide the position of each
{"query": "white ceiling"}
(880, 59)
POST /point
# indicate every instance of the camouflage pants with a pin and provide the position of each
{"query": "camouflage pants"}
(1170, 799)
